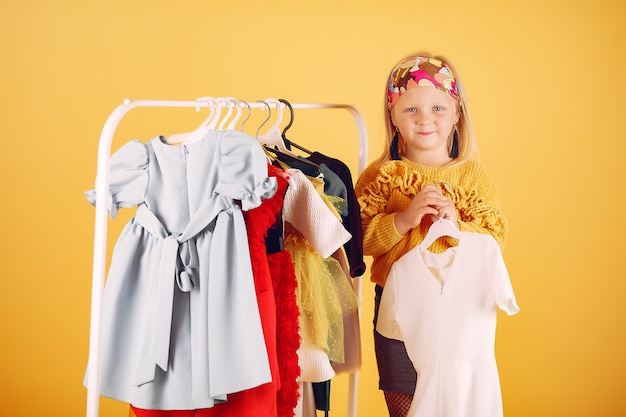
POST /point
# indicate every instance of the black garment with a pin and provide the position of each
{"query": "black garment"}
(321, 394)
(395, 369)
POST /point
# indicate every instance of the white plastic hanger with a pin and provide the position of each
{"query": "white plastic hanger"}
(215, 113)
(238, 105)
(273, 137)
(439, 228)
(229, 105)
(211, 122)
(200, 131)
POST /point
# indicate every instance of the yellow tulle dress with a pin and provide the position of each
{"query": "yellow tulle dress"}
(313, 233)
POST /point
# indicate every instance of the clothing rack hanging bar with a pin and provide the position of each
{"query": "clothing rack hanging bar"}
(101, 222)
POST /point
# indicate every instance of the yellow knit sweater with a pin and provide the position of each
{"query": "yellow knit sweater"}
(383, 192)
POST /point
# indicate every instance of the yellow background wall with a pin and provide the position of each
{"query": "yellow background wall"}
(545, 80)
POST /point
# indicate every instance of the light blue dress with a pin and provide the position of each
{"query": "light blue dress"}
(180, 325)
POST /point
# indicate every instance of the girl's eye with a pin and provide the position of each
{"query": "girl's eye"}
(411, 109)
(438, 108)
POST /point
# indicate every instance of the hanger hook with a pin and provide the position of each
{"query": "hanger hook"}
(288, 104)
(237, 105)
(269, 114)
(212, 108)
(279, 109)
(212, 120)
(229, 105)
(249, 114)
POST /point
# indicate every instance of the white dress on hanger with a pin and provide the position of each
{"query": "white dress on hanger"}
(180, 324)
(443, 306)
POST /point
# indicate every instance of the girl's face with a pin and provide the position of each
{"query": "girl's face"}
(425, 117)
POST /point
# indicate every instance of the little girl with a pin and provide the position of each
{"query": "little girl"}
(426, 171)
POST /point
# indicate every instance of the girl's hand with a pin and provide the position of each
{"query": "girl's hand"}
(429, 203)
(448, 211)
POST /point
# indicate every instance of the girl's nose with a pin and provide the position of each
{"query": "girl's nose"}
(423, 118)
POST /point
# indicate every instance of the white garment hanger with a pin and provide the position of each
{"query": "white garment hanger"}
(224, 102)
(215, 113)
(238, 105)
(273, 137)
(439, 228)
(229, 105)
(212, 122)
(200, 131)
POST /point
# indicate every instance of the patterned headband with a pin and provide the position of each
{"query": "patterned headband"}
(420, 71)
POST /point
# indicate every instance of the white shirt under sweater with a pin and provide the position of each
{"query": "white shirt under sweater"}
(444, 308)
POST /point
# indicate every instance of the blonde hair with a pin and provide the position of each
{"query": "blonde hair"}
(467, 146)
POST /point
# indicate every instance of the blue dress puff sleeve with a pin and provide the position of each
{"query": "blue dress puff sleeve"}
(128, 178)
(243, 173)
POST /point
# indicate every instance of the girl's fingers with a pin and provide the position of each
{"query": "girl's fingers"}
(431, 189)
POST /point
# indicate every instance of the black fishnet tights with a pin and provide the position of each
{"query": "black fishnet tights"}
(398, 404)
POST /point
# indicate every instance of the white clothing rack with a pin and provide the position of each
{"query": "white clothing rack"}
(101, 223)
